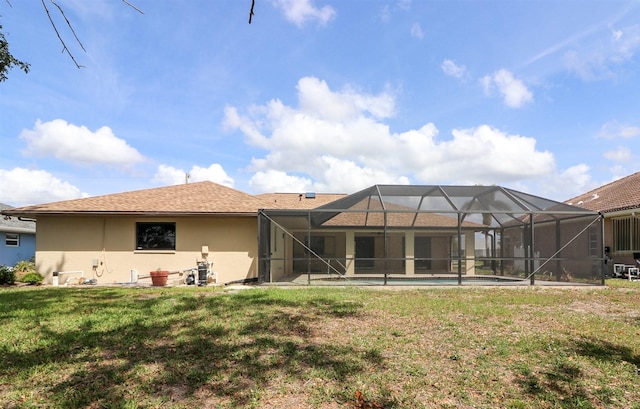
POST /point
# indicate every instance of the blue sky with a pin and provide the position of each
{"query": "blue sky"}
(319, 95)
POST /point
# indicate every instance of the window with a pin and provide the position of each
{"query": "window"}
(155, 236)
(626, 235)
(12, 240)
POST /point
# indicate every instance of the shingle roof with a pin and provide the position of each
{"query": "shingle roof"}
(397, 216)
(622, 194)
(192, 198)
(13, 224)
(298, 200)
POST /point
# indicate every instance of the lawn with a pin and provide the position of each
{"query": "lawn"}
(529, 347)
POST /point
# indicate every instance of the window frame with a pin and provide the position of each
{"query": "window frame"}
(143, 238)
(15, 242)
(625, 233)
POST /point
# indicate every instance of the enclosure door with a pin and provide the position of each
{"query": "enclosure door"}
(365, 253)
(422, 249)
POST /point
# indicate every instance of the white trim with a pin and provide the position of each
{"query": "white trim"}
(634, 212)
(143, 251)
(6, 229)
(16, 239)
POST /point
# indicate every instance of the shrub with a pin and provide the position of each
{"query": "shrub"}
(32, 278)
(25, 266)
(7, 275)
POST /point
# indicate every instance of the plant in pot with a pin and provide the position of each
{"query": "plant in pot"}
(159, 277)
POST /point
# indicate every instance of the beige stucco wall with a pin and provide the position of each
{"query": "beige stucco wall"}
(345, 251)
(73, 243)
(440, 248)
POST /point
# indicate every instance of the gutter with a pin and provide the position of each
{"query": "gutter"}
(634, 211)
(17, 230)
(22, 214)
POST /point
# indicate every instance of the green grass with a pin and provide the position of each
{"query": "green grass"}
(315, 347)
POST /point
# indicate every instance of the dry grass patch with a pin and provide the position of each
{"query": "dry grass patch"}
(320, 348)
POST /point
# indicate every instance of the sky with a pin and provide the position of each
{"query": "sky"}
(318, 95)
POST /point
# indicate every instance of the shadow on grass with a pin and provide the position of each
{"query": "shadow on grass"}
(606, 351)
(148, 347)
(562, 382)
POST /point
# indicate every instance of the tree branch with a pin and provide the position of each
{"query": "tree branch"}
(69, 24)
(132, 6)
(251, 13)
(55, 28)
(64, 45)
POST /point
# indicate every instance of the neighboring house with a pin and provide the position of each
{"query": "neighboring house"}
(384, 229)
(17, 239)
(619, 203)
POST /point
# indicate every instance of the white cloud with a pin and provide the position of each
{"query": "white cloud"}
(416, 31)
(385, 13)
(599, 57)
(616, 35)
(300, 11)
(569, 183)
(22, 187)
(404, 4)
(269, 181)
(232, 120)
(78, 144)
(451, 69)
(621, 154)
(616, 130)
(315, 98)
(168, 175)
(343, 175)
(332, 142)
(514, 92)
(486, 155)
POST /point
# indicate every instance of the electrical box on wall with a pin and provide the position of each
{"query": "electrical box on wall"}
(95, 262)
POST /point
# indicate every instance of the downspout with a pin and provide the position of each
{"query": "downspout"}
(459, 248)
(604, 256)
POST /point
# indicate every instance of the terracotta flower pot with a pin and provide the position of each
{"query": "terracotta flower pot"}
(159, 278)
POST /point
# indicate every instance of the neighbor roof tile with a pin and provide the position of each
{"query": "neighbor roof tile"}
(621, 194)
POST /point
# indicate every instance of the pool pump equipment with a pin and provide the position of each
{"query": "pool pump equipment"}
(200, 274)
(203, 270)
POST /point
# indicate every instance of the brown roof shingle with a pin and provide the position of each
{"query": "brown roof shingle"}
(397, 216)
(622, 194)
(298, 200)
(193, 198)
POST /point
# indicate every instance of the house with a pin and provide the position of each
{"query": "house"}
(619, 203)
(17, 239)
(382, 230)
(122, 236)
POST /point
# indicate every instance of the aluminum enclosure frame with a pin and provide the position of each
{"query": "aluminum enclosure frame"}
(428, 232)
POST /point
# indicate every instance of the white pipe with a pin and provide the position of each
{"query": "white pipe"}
(57, 274)
(72, 272)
